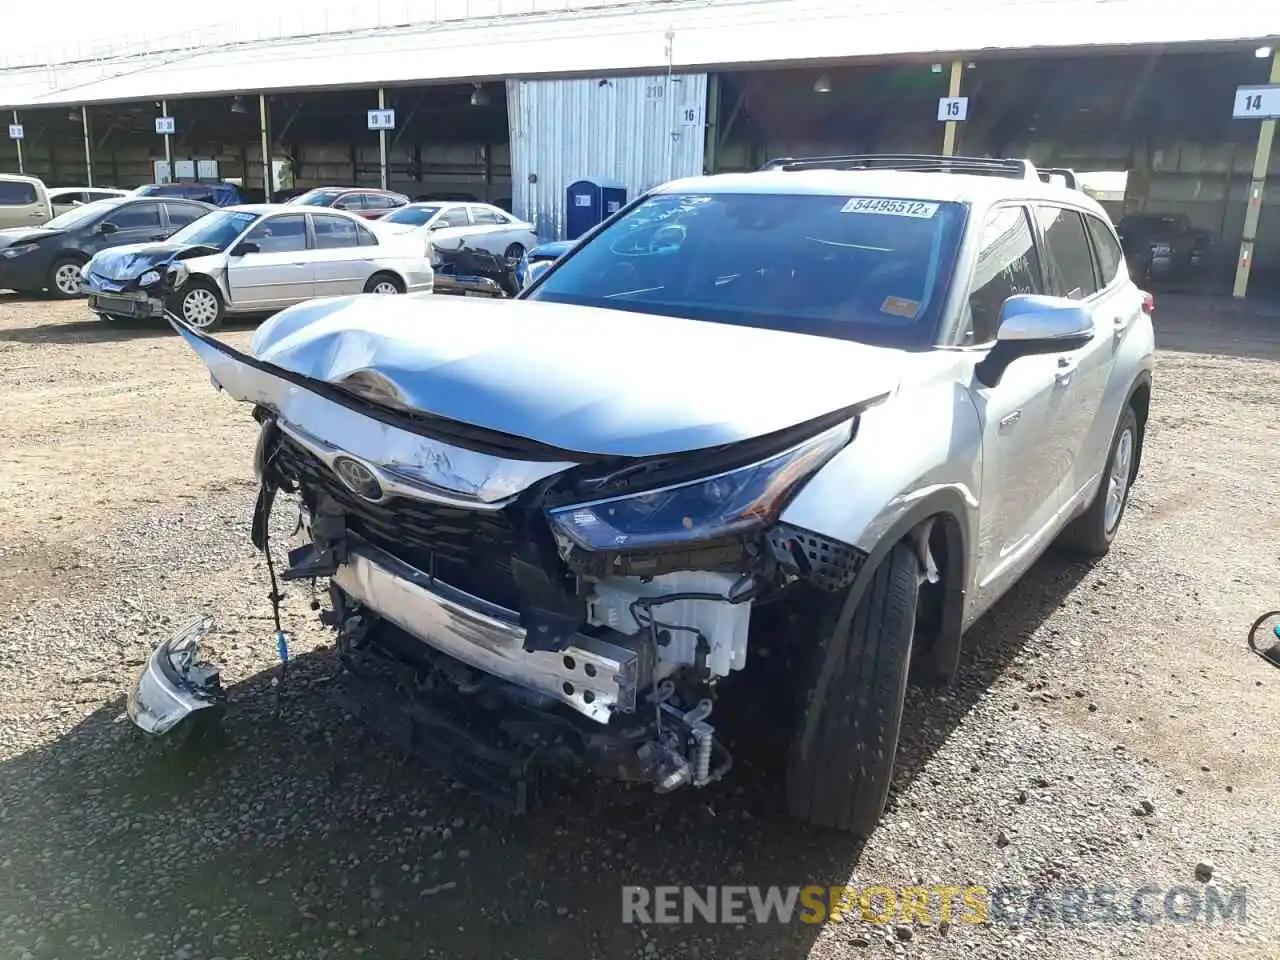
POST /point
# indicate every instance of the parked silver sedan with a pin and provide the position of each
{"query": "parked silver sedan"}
(255, 258)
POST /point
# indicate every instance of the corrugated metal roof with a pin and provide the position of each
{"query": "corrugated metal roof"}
(706, 34)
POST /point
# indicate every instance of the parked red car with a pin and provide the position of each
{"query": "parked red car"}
(367, 202)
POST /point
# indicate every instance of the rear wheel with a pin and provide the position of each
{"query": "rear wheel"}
(199, 304)
(842, 778)
(514, 253)
(1091, 533)
(64, 278)
(384, 284)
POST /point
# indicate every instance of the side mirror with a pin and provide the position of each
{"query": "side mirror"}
(106, 229)
(1031, 324)
(245, 246)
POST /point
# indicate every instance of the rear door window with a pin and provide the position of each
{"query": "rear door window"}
(16, 193)
(1007, 266)
(1068, 258)
(350, 201)
(334, 232)
(180, 214)
(488, 216)
(1107, 249)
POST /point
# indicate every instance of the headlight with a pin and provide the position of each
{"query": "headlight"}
(727, 503)
(148, 278)
(18, 251)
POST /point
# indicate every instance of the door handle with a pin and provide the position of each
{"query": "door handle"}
(300, 264)
(1066, 369)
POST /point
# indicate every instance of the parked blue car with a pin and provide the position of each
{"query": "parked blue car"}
(219, 194)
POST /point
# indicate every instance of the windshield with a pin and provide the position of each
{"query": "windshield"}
(871, 269)
(218, 229)
(85, 213)
(415, 216)
(316, 198)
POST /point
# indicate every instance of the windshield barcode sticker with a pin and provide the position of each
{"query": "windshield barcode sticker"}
(891, 208)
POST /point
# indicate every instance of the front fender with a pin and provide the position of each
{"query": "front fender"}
(922, 444)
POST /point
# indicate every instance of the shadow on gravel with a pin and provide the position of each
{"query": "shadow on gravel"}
(306, 837)
(103, 331)
(91, 330)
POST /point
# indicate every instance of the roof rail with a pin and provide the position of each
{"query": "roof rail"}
(1020, 169)
(1066, 173)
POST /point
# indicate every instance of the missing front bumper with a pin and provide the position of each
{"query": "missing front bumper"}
(592, 676)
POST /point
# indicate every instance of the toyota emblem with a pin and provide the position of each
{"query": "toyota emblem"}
(357, 478)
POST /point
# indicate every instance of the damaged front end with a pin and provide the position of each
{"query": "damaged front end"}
(502, 605)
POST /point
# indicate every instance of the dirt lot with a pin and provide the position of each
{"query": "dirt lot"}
(1110, 727)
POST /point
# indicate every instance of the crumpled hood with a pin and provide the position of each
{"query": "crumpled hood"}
(582, 379)
(13, 236)
(134, 259)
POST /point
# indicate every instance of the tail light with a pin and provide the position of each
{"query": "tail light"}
(1148, 303)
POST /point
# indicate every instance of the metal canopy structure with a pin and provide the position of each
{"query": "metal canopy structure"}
(620, 38)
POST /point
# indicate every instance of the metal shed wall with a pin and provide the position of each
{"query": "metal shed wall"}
(642, 131)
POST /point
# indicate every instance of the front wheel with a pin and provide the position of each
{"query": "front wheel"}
(64, 278)
(1091, 533)
(199, 305)
(841, 777)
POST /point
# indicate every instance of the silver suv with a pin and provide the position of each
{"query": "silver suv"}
(805, 424)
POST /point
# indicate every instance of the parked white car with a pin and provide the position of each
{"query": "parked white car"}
(64, 199)
(460, 228)
(255, 258)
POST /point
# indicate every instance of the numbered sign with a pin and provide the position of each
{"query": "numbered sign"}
(689, 117)
(953, 108)
(382, 119)
(654, 92)
(1257, 103)
(165, 125)
(15, 131)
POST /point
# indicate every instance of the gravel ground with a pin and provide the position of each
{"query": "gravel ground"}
(1109, 728)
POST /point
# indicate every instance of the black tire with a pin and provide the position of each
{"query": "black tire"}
(1090, 534)
(57, 271)
(843, 780)
(192, 304)
(514, 252)
(379, 279)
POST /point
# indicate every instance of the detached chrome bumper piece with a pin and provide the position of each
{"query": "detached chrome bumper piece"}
(592, 676)
(176, 683)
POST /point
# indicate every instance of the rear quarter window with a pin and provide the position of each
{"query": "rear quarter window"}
(16, 193)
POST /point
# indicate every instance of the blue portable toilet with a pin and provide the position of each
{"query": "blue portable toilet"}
(588, 202)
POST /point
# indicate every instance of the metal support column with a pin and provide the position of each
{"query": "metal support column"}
(953, 90)
(263, 124)
(88, 149)
(18, 144)
(711, 154)
(1257, 187)
(382, 141)
(168, 140)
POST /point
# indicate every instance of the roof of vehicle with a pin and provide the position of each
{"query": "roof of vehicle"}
(109, 190)
(290, 208)
(914, 185)
(351, 190)
(21, 177)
